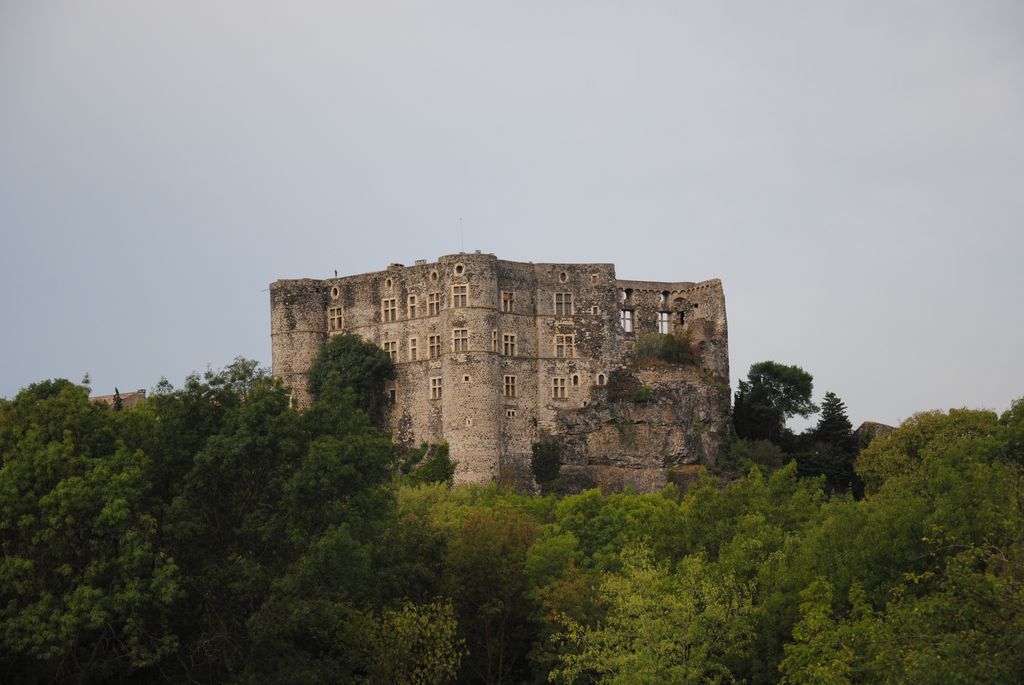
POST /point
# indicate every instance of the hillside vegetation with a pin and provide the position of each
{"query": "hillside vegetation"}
(215, 534)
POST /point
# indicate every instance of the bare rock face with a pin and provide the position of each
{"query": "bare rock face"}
(651, 426)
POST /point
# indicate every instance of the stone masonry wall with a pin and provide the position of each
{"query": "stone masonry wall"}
(558, 390)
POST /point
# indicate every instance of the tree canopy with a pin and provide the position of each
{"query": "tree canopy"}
(771, 394)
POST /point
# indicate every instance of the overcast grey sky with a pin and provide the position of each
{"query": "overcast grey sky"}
(852, 171)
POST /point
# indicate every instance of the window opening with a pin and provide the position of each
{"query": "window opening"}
(563, 304)
(433, 304)
(389, 308)
(412, 306)
(460, 340)
(510, 386)
(626, 319)
(508, 343)
(434, 346)
(508, 301)
(435, 388)
(413, 352)
(334, 318)
(460, 294)
(564, 345)
(663, 322)
(558, 388)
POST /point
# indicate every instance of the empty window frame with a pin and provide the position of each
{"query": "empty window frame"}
(508, 344)
(558, 388)
(433, 304)
(460, 340)
(435, 388)
(510, 386)
(412, 306)
(600, 379)
(508, 300)
(334, 318)
(663, 322)
(434, 346)
(391, 347)
(563, 304)
(389, 309)
(626, 319)
(510, 413)
(565, 346)
(414, 353)
(494, 341)
(460, 295)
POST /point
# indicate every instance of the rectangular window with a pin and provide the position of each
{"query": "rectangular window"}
(626, 319)
(565, 345)
(412, 306)
(391, 347)
(434, 346)
(663, 322)
(433, 304)
(460, 340)
(413, 351)
(563, 304)
(460, 295)
(510, 386)
(558, 388)
(508, 345)
(494, 341)
(334, 318)
(389, 309)
(508, 301)
(435, 388)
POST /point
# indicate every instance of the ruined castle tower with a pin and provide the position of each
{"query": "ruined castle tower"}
(493, 355)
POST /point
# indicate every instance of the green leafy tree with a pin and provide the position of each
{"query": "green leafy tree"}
(348, 361)
(546, 462)
(487, 581)
(415, 645)
(771, 394)
(918, 440)
(660, 627)
(86, 593)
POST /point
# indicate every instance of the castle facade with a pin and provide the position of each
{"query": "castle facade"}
(493, 355)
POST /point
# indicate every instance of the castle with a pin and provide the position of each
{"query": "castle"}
(493, 356)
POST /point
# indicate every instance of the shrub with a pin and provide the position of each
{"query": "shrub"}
(546, 462)
(662, 347)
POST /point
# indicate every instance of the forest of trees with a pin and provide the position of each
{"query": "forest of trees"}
(215, 534)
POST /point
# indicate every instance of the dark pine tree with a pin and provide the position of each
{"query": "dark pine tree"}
(832, 448)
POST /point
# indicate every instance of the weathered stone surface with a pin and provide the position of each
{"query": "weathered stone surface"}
(607, 442)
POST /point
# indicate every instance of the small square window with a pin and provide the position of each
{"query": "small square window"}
(508, 344)
(565, 346)
(626, 319)
(663, 323)
(460, 295)
(334, 318)
(508, 301)
(389, 309)
(460, 340)
(563, 304)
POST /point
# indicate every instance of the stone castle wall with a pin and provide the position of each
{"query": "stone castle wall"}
(491, 434)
